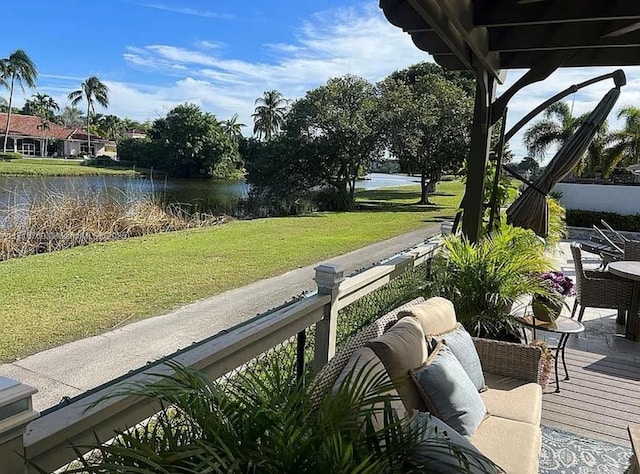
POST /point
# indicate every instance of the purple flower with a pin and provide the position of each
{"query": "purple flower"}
(559, 283)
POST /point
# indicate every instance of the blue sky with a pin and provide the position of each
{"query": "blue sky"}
(154, 54)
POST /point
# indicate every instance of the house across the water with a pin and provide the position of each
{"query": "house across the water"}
(28, 137)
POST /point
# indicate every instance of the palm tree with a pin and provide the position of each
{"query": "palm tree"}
(557, 126)
(269, 114)
(626, 142)
(17, 68)
(232, 128)
(43, 106)
(92, 90)
(70, 117)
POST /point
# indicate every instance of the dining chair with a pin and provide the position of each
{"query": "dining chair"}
(598, 289)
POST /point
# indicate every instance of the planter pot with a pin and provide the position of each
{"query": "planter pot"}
(544, 309)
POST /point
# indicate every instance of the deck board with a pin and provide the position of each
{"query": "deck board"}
(599, 401)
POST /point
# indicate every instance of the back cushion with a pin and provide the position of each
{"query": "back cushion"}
(364, 368)
(401, 349)
(436, 316)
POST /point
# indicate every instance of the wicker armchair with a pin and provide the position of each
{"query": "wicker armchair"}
(598, 289)
(632, 250)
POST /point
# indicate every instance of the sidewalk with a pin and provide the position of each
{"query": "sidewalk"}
(73, 368)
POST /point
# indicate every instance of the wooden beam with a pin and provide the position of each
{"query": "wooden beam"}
(491, 13)
(570, 36)
(613, 56)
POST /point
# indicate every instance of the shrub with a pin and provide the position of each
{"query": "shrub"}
(10, 155)
(579, 218)
(557, 223)
(484, 279)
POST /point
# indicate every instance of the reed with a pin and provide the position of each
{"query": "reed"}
(60, 221)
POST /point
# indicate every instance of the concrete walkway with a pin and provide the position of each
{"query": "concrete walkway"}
(73, 368)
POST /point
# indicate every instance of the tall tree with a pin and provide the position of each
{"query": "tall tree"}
(18, 69)
(232, 128)
(626, 142)
(44, 107)
(92, 90)
(111, 127)
(427, 124)
(269, 115)
(70, 117)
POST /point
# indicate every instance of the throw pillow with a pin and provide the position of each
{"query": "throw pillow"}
(462, 346)
(445, 451)
(448, 392)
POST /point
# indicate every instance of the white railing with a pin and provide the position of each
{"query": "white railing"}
(46, 441)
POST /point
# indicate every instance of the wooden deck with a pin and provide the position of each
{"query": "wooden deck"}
(599, 401)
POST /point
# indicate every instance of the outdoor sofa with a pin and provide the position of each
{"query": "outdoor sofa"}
(401, 341)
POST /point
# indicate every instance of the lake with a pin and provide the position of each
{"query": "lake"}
(199, 194)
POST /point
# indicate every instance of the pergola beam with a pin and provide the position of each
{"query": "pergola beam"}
(614, 56)
(490, 13)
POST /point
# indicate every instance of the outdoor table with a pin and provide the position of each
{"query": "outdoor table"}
(630, 271)
(563, 326)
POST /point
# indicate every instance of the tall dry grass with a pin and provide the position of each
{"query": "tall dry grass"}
(62, 221)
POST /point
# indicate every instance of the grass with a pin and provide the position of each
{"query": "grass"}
(50, 299)
(56, 167)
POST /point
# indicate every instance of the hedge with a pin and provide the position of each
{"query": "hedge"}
(579, 218)
(10, 155)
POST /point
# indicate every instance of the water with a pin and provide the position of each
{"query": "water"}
(198, 195)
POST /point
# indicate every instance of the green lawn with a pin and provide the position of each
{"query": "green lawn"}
(55, 167)
(54, 298)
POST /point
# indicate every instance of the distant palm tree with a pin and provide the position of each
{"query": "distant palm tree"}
(17, 68)
(557, 126)
(269, 114)
(43, 106)
(70, 117)
(626, 142)
(92, 90)
(232, 128)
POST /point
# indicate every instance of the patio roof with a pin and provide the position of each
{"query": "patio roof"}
(490, 36)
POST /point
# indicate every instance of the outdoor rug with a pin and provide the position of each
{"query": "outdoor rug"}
(568, 453)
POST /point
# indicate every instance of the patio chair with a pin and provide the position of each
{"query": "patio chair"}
(599, 289)
(632, 250)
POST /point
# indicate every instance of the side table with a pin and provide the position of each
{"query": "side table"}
(563, 326)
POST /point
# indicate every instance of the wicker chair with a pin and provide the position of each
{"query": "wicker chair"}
(598, 289)
(632, 250)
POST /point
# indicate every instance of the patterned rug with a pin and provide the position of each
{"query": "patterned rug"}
(567, 453)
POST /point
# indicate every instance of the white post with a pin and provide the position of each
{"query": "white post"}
(328, 278)
(16, 412)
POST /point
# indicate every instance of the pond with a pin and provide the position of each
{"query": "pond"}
(219, 196)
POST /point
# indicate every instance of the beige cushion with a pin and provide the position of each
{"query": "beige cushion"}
(436, 315)
(512, 445)
(402, 348)
(364, 361)
(513, 399)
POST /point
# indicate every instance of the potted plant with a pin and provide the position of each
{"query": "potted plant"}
(547, 307)
(485, 279)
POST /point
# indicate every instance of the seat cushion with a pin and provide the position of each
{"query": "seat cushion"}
(513, 399)
(512, 445)
(448, 392)
(436, 316)
(402, 348)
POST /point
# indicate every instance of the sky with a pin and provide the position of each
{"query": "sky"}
(155, 54)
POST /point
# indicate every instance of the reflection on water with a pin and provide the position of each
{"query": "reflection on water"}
(195, 195)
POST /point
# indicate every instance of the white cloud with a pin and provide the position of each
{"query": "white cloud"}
(187, 11)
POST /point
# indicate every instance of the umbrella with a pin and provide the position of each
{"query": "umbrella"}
(530, 210)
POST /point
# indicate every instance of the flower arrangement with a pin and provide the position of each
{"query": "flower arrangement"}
(559, 282)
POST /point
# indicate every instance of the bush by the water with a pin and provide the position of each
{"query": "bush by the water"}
(579, 218)
(61, 222)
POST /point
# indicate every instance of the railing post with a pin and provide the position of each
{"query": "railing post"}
(328, 278)
(16, 411)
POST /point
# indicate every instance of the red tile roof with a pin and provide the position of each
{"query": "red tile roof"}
(27, 126)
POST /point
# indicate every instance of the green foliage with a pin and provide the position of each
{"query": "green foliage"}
(579, 218)
(191, 141)
(557, 224)
(261, 420)
(10, 155)
(484, 279)
(269, 116)
(426, 121)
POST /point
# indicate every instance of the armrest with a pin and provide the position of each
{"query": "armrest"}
(510, 359)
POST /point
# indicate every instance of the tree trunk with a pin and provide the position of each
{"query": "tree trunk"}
(6, 130)
(88, 125)
(424, 188)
